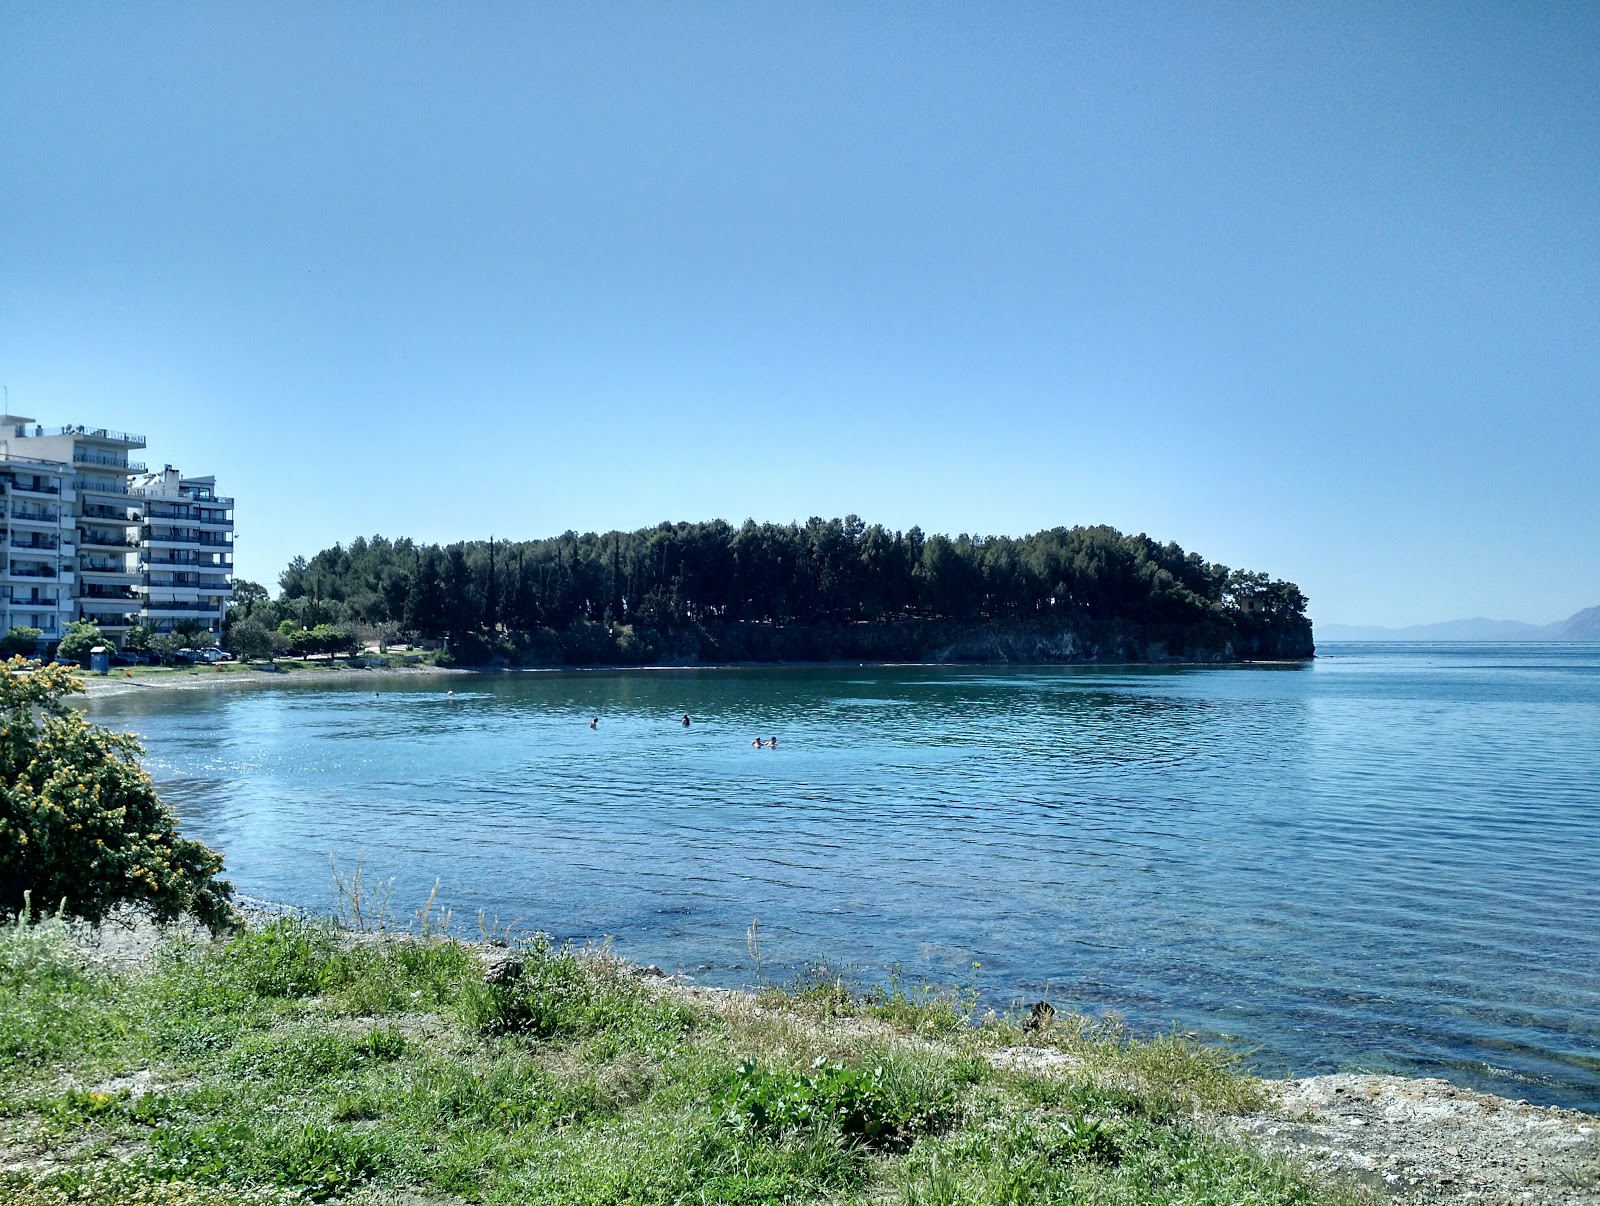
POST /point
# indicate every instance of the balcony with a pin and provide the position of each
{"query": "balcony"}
(109, 619)
(34, 571)
(173, 606)
(114, 514)
(82, 456)
(85, 485)
(33, 488)
(24, 515)
(108, 592)
(109, 569)
(93, 540)
(24, 601)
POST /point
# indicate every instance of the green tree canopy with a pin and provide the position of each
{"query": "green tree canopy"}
(738, 582)
(250, 638)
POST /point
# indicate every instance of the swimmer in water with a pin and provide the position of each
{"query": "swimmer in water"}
(773, 744)
(595, 723)
(686, 720)
(759, 744)
(449, 694)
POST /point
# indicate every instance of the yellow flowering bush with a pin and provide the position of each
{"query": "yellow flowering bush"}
(80, 820)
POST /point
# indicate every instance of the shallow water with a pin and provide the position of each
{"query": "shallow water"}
(1385, 860)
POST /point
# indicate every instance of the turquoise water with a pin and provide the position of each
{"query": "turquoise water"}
(1385, 860)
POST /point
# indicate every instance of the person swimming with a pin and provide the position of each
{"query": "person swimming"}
(686, 720)
(759, 744)
(595, 723)
(773, 744)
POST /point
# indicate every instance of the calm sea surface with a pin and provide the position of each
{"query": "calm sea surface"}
(1386, 860)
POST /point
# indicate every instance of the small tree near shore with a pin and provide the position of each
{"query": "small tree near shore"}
(250, 639)
(80, 637)
(80, 820)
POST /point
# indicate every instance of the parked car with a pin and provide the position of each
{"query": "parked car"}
(215, 655)
(130, 657)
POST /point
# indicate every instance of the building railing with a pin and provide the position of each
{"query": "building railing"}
(39, 516)
(107, 592)
(31, 488)
(100, 487)
(24, 601)
(106, 567)
(40, 571)
(82, 456)
(99, 433)
(174, 605)
(106, 542)
(209, 561)
(41, 545)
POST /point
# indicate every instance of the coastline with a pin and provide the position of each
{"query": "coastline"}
(1409, 1140)
(109, 686)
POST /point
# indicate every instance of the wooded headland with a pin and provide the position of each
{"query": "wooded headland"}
(818, 591)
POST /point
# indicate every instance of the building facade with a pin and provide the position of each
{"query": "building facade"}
(186, 551)
(38, 585)
(130, 547)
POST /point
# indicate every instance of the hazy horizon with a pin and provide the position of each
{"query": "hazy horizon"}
(1308, 290)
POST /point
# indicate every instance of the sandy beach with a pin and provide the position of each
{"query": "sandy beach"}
(208, 678)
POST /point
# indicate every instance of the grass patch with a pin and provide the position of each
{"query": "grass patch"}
(296, 1063)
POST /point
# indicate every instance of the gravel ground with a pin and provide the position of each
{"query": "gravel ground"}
(1411, 1140)
(1429, 1141)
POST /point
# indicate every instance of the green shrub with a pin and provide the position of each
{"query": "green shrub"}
(80, 820)
(21, 639)
(560, 994)
(319, 1161)
(861, 1105)
(286, 958)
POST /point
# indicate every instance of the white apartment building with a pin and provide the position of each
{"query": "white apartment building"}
(186, 550)
(135, 547)
(37, 580)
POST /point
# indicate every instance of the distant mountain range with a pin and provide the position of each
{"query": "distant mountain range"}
(1585, 626)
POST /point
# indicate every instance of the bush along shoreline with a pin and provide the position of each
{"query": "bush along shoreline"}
(295, 1061)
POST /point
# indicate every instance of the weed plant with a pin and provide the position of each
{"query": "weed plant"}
(295, 1062)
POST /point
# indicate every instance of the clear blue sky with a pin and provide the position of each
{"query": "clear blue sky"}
(1308, 288)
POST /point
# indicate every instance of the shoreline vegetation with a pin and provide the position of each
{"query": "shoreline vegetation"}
(299, 1060)
(827, 590)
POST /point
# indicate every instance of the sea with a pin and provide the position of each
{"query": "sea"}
(1387, 859)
